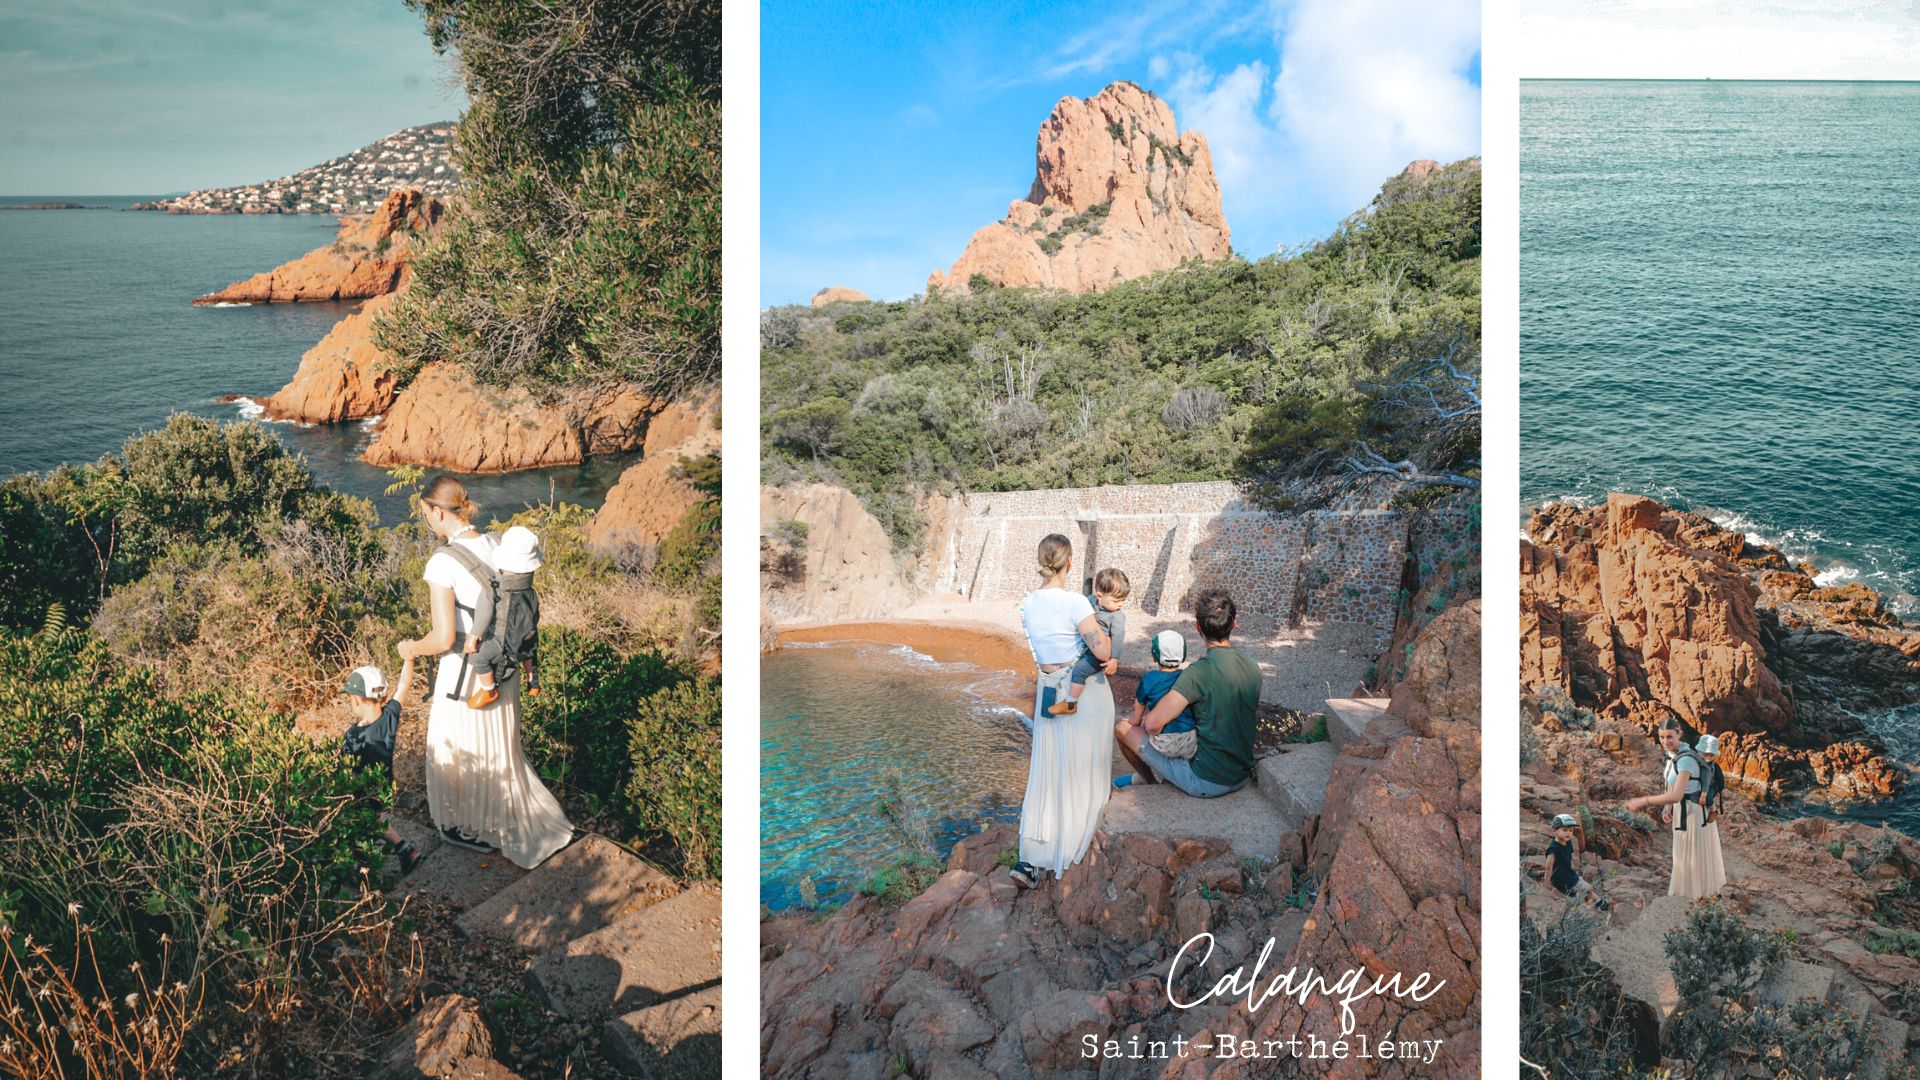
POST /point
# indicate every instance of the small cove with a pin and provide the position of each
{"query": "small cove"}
(841, 719)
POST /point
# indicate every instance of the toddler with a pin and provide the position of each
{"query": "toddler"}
(1110, 588)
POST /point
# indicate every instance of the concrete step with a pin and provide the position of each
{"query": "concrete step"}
(454, 873)
(582, 888)
(675, 1039)
(1295, 780)
(1244, 819)
(665, 949)
(1347, 719)
(1890, 1032)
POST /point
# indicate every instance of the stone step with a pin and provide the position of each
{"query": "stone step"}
(455, 873)
(588, 885)
(1295, 780)
(1244, 819)
(676, 1039)
(1636, 955)
(1793, 980)
(1347, 719)
(668, 948)
(1893, 1047)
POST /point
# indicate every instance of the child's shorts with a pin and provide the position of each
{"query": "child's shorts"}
(1176, 744)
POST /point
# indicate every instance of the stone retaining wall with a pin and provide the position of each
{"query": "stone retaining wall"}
(1173, 539)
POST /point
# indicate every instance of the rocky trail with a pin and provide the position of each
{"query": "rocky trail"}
(604, 940)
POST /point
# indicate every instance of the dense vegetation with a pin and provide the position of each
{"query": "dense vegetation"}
(1275, 371)
(163, 611)
(585, 241)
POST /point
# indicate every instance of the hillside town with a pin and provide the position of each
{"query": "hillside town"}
(416, 157)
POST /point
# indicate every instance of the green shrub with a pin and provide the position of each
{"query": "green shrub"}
(575, 730)
(674, 753)
(902, 879)
(1313, 729)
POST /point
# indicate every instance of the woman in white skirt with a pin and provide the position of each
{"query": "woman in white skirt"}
(1070, 771)
(1697, 869)
(481, 791)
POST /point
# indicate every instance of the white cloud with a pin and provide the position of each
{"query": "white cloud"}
(1366, 86)
(1359, 88)
(1691, 39)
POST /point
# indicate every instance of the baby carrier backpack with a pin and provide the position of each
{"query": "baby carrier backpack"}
(1685, 753)
(1712, 785)
(508, 614)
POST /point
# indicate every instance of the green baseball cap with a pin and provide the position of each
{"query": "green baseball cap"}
(366, 682)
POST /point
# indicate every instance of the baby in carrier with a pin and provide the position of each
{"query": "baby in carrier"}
(506, 622)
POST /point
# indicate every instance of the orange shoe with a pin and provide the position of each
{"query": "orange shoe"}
(483, 697)
(1063, 707)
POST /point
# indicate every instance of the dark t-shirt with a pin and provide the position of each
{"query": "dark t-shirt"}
(1223, 688)
(1154, 686)
(1563, 878)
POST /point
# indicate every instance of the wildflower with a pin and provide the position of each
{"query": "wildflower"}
(132, 1000)
(73, 907)
(179, 987)
(134, 967)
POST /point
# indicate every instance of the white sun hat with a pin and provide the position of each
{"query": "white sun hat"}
(366, 682)
(1707, 745)
(519, 551)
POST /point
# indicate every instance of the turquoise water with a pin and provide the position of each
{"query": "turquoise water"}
(1718, 308)
(99, 340)
(835, 720)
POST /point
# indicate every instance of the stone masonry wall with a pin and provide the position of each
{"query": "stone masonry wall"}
(1173, 539)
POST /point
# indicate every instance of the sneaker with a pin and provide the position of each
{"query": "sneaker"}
(1063, 707)
(408, 855)
(483, 697)
(465, 839)
(1121, 783)
(1024, 875)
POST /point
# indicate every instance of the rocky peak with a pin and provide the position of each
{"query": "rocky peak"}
(1117, 192)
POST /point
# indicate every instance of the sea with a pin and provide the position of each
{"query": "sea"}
(847, 728)
(1720, 308)
(99, 340)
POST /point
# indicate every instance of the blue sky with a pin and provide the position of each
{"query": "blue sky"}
(890, 132)
(138, 97)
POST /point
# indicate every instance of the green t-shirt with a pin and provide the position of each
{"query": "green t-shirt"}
(1224, 687)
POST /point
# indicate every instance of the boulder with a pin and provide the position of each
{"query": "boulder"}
(651, 497)
(845, 567)
(1117, 193)
(447, 1037)
(367, 258)
(447, 419)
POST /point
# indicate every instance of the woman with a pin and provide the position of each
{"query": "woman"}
(1070, 771)
(1697, 870)
(482, 793)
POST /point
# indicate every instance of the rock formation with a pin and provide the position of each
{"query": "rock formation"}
(1117, 193)
(1638, 611)
(975, 977)
(839, 294)
(367, 258)
(844, 567)
(344, 377)
(650, 497)
(446, 419)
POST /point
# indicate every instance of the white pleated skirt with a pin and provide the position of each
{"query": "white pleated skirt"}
(1697, 867)
(1069, 774)
(479, 780)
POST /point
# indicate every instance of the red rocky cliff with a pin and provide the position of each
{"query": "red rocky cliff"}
(1639, 611)
(1117, 192)
(367, 258)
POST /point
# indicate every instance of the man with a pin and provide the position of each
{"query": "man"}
(1223, 689)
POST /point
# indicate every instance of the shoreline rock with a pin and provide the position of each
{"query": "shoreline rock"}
(1636, 611)
(342, 378)
(367, 258)
(446, 419)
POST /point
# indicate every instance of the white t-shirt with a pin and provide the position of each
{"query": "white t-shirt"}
(443, 570)
(1052, 618)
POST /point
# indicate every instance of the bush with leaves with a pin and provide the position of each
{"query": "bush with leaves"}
(584, 245)
(1573, 1021)
(673, 791)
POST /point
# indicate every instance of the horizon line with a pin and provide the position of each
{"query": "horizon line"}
(1711, 78)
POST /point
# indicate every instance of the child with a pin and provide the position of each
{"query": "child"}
(505, 632)
(372, 739)
(1110, 588)
(1713, 780)
(1559, 863)
(1178, 739)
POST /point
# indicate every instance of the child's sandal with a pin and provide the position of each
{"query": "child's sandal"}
(408, 855)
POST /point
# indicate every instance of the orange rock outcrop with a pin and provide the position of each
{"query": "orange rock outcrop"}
(446, 419)
(839, 294)
(1117, 192)
(651, 497)
(341, 378)
(367, 258)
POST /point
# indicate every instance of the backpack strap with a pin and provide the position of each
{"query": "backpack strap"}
(480, 571)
